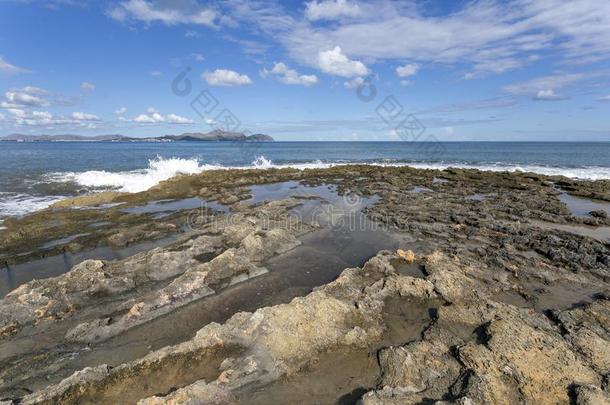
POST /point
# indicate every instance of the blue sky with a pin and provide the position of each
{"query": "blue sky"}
(463, 70)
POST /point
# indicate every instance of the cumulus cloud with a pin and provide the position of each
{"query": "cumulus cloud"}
(155, 117)
(335, 62)
(81, 116)
(493, 36)
(10, 69)
(45, 118)
(290, 76)
(28, 96)
(225, 77)
(177, 119)
(165, 12)
(331, 9)
(548, 95)
(17, 112)
(86, 86)
(407, 70)
(121, 111)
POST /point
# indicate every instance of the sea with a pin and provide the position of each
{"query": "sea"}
(34, 175)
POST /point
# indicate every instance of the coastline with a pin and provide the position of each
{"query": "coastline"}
(433, 260)
(141, 179)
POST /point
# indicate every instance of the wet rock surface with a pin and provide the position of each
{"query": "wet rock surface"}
(273, 292)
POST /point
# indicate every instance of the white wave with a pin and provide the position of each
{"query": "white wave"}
(262, 162)
(16, 205)
(582, 173)
(158, 169)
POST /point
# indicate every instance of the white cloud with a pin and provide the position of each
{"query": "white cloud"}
(604, 98)
(198, 57)
(27, 96)
(331, 9)
(86, 86)
(177, 119)
(121, 111)
(155, 73)
(166, 12)
(540, 86)
(81, 116)
(45, 118)
(153, 116)
(547, 95)
(290, 76)
(469, 76)
(225, 77)
(17, 112)
(34, 90)
(354, 83)
(492, 36)
(42, 115)
(407, 70)
(406, 82)
(191, 34)
(334, 62)
(10, 69)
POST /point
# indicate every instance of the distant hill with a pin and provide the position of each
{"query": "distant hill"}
(218, 135)
(215, 135)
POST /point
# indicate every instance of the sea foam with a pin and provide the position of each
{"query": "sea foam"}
(160, 169)
(17, 204)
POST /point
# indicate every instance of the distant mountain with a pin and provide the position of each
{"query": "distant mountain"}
(215, 135)
(218, 135)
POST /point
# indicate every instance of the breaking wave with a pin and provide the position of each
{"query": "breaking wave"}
(160, 169)
(16, 204)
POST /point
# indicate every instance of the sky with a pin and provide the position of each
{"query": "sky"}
(490, 70)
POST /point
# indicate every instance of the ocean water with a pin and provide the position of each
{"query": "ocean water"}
(34, 175)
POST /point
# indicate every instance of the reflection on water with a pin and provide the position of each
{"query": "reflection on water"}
(13, 276)
(601, 233)
(580, 207)
(170, 206)
(278, 191)
(62, 241)
(346, 237)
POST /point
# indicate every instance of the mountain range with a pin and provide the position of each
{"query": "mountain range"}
(215, 135)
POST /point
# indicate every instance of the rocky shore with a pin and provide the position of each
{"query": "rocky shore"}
(354, 284)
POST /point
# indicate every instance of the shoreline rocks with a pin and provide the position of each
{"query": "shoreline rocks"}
(494, 299)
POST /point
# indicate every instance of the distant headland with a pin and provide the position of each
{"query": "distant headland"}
(215, 135)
